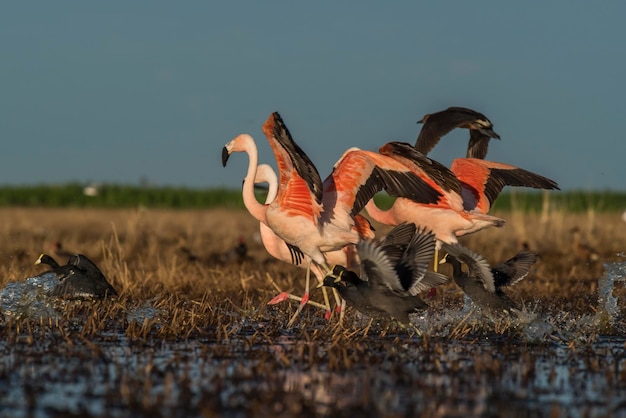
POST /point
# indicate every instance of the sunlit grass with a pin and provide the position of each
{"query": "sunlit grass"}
(140, 253)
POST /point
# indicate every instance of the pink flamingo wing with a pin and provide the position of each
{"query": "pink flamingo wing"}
(291, 159)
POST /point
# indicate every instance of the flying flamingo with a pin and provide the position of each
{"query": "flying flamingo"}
(447, 217)
(463, 208)
(440, 123)
(279, 249)
(317, 217)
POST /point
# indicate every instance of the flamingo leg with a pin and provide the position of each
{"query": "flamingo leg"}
(339, 303)
(283, 296)
(436, 259)
(328, 312)
(305, 298)
(342, 310)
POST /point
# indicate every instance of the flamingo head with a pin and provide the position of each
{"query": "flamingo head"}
(238, 144)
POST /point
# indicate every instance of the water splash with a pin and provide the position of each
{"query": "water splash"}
(28, 299)
(146, 312)
(613, 272)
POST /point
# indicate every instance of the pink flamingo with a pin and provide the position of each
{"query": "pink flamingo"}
(480, 183)
(447, 217)
(317, 217)
(279, 249)
(464, 204)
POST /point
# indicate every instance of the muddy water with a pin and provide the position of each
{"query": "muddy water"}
(557, 365)
(481, 376)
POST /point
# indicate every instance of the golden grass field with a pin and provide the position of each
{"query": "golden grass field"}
(146, 255)
(215, 347)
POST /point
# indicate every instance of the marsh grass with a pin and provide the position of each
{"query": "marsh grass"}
(140, 253)
(242, 357)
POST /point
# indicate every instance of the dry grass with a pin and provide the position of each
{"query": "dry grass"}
(146, 256)
(213, 346)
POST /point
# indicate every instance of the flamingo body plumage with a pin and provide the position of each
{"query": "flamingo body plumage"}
(447, 218)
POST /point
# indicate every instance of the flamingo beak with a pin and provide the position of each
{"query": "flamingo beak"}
(225, 155)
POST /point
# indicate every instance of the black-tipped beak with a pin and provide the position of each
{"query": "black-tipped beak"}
(225, 155)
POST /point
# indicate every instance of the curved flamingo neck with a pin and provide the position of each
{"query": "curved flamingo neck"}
(256, 209)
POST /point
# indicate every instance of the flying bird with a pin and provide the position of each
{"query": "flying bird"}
(393, 273)
(441, 123)
(482, 283)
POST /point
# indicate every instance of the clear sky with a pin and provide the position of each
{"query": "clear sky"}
(119, 90)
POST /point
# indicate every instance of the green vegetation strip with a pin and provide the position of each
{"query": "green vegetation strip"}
(122, 196)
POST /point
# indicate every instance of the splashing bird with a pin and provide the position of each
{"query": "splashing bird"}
(393, 273)
(79, 278)
(482, 283)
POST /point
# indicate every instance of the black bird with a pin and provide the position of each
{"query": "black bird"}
(62, 272)
(79, 278)
(393, 272)
(483, 283)
(439, 124)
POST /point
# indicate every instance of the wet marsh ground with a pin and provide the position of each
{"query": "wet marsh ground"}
(191, 333)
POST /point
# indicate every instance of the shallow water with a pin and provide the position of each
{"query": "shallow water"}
(557, 364)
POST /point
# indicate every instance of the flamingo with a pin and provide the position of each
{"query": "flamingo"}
(279, 249)
(463, 208)
(447, 217)
(481, 282)
(440, 123)
(317, 217)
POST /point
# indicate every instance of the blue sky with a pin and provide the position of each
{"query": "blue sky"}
(116, 91)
